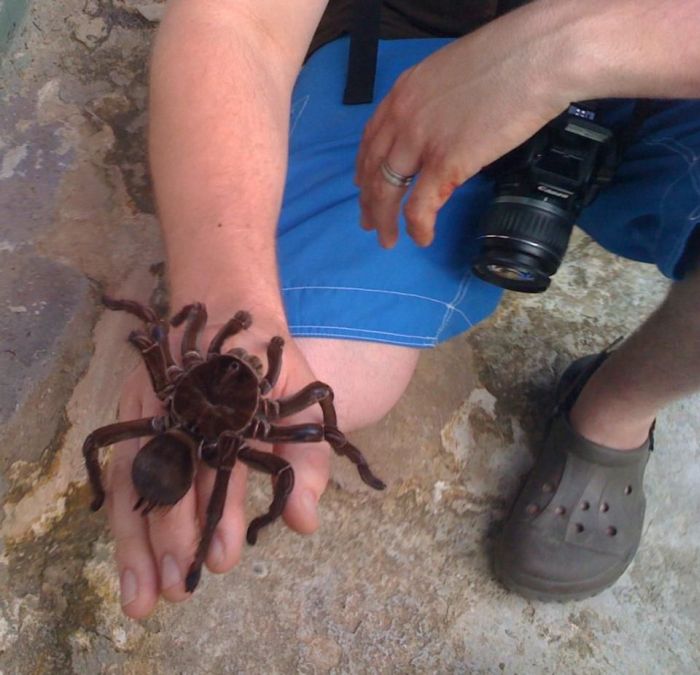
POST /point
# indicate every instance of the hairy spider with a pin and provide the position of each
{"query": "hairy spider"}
(212, 404)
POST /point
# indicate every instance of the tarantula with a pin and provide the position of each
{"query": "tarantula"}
(212, 404)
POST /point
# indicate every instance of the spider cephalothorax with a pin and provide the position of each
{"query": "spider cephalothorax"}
(213, 403)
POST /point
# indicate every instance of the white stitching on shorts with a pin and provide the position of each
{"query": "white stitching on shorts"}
(691, 159)
(449, 306)
(326, 331)
(364, 330)
(461, 292)
(297, 110)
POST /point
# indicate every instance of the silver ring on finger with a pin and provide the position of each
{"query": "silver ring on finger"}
(394, 177)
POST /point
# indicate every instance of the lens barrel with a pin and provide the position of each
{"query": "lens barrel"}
(540, 188)
(523, 241)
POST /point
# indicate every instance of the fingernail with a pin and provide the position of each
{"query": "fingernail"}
(129, 587)
(170, 572)
(217, 551)
(308, 499)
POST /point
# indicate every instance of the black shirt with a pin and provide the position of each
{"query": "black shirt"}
(411, 18)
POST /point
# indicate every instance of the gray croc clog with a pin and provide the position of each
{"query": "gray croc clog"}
(577, 523)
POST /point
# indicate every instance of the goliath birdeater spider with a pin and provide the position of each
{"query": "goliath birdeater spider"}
(213, 403)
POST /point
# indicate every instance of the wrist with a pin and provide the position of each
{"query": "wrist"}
(267, 319)
(223, 297)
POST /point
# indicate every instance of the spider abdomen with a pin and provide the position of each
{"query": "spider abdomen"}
(163, 469)
(221, 394)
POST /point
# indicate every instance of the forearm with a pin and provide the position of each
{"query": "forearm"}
(624, 48)
(219, 109)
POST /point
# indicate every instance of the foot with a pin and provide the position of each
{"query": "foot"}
(577, 523)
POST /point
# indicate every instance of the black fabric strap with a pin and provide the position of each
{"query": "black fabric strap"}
(644, 108)
(362, 60)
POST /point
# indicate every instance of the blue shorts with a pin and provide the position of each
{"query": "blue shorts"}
(338, 282)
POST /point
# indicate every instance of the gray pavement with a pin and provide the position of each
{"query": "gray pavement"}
(393, 582)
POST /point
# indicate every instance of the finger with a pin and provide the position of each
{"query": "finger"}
(373, 143)
(379, 134)
(174, 534)
(311, 464)
(137, 573)
(225, 549)
(433, 188)
(371, 173)
(381, 200)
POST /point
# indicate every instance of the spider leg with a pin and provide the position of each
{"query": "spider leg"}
(227, 447)
(282, 471)
(107, 435)
(239, 322)
(155, 327)
(292, 433)
(196, 317)
(321, 393)
(284, 407)
(342, 446)
(155, 362)
(274, 364)
(146, 314)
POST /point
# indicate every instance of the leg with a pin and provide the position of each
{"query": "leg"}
(293, 433)
(368, 379)
(318, 392)
(341, 446)
(274, 364)
(155, 362)
(240, 321)
(578, 520)
(310, 394)
(654, 200)
(659, 364)
(157, 330)
(114, 433)
(196, 317)
(228, 448)
(283, 473)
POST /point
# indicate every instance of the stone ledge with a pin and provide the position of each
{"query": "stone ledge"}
(45, 345)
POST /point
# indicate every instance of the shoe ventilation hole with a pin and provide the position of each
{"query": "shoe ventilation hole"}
(579, 528)
(604, 507)
(628, 490)
(560, 510)
(547, 487)
(612, 531)
(585, 505)
(532, 509)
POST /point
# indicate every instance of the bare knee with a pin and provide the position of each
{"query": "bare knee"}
(683, 300)
(367, 378)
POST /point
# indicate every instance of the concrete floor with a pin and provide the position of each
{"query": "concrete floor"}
(393, 582)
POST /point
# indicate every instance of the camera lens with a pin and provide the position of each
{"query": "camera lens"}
(523, 241)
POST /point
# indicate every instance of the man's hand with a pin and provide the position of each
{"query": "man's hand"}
(154, 552)
(447, 117)
(483, 95)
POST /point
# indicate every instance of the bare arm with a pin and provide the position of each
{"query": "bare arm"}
(222, 77)
(632, 48)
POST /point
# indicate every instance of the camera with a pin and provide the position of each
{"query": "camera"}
(540, 189)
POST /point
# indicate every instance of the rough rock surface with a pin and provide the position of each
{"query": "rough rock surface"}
(397, 582)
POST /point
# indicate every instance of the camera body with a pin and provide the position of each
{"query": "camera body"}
(541, 188)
